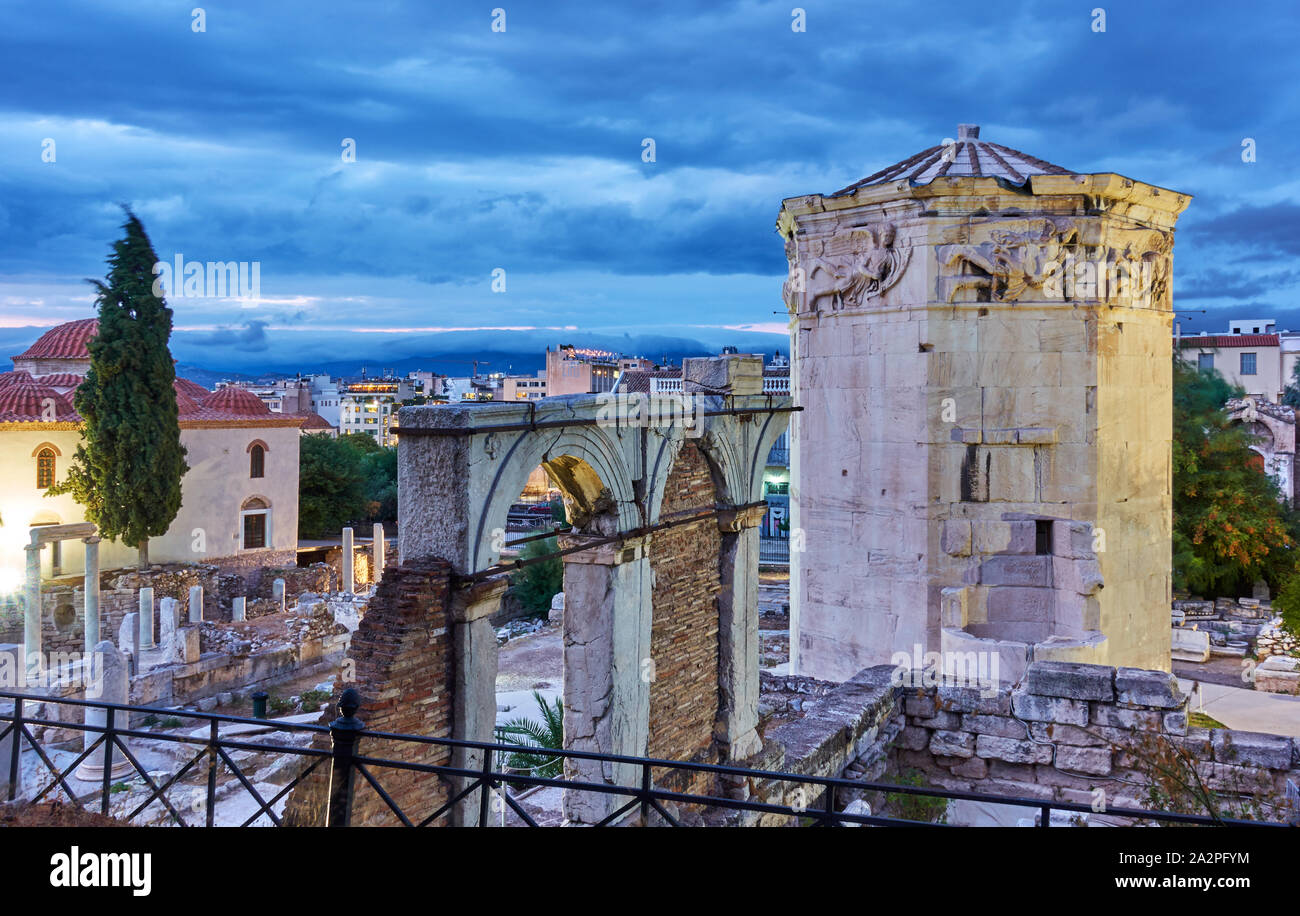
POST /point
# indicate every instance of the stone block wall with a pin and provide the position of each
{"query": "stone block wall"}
(318, 578)
(403, 668)
(1083, 733)
(684, 634)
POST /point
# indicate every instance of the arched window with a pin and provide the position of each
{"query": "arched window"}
(256, 461)
(253, 517)
(44, 468)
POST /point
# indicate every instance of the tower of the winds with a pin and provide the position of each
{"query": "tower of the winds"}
(981, 347)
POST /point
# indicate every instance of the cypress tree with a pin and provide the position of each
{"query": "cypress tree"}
(127, 469)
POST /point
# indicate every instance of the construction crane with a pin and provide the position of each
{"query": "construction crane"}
(474, 362)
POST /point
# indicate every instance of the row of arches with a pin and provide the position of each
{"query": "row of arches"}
(660, 643)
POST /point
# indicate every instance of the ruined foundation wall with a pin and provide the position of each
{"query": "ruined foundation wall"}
(1083, 734)
(684, 636)
(1077, 733)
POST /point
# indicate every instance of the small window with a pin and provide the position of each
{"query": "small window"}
(45, 468)
(1042, 536)
(1248, 364)
(1205, 361)
(256, 461)
(254, 530)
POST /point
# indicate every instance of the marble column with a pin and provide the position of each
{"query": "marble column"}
(146, 618)
(607, 624)
(32, 614)
(238, 609)
(196, 604)
(92, 593)
(277, 593)
(169, 622)
(111, 684)
(377, 554)
(348, 578)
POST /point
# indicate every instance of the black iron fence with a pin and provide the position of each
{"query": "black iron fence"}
(474, 787)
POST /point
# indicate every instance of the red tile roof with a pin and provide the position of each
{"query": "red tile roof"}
(14, 377)
(27, 401)
(236, 401)
(1216, 341)
(193, 389)
(61, 380)
(67, 341)
(313, 421)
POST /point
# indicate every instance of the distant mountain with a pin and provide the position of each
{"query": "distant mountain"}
(454, 354)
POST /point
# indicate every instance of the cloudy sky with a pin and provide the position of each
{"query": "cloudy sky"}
(521, 150)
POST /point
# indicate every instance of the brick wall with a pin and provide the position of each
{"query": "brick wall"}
(403, 667)
(684, 637)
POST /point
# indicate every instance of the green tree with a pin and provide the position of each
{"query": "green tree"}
(1291, 394)
(127, 469)
(361, 443)
(380, 470)
(331, 485)
(1230, 528)
(536, 584)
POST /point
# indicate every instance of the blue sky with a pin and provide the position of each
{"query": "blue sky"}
(522, 150)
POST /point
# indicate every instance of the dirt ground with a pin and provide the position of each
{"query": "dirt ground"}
(54, 814)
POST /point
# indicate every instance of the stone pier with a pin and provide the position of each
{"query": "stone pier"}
(607, 625)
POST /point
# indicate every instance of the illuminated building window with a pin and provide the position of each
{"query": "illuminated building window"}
(45, 468)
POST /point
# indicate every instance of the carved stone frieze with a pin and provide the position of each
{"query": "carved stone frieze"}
(844, 270)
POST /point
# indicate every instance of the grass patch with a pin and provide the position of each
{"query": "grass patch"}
(924, 808)
(1201, 720)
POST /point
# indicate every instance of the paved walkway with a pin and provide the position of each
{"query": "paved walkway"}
(1248, 710)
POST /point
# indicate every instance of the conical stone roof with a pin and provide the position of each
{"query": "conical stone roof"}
(966, 157)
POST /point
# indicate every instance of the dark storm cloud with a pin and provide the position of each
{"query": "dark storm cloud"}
(522, 150)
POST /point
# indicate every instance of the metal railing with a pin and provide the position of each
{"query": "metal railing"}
(774, 551)
(350, 771)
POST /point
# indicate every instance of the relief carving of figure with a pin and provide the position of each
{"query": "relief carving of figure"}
(1010, 264)
(845, 270)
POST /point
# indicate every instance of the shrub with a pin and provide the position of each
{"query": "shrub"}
(1287, 603)
(547, 733)
(535, 585)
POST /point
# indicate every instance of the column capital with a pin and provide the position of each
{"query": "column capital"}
(477, 599)
(93, 539)
(737, 518)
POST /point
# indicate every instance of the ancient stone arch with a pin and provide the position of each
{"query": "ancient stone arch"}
(461, 467)
(1274, 428)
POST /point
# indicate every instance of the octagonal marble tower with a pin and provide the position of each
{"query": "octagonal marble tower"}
(981, 346)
